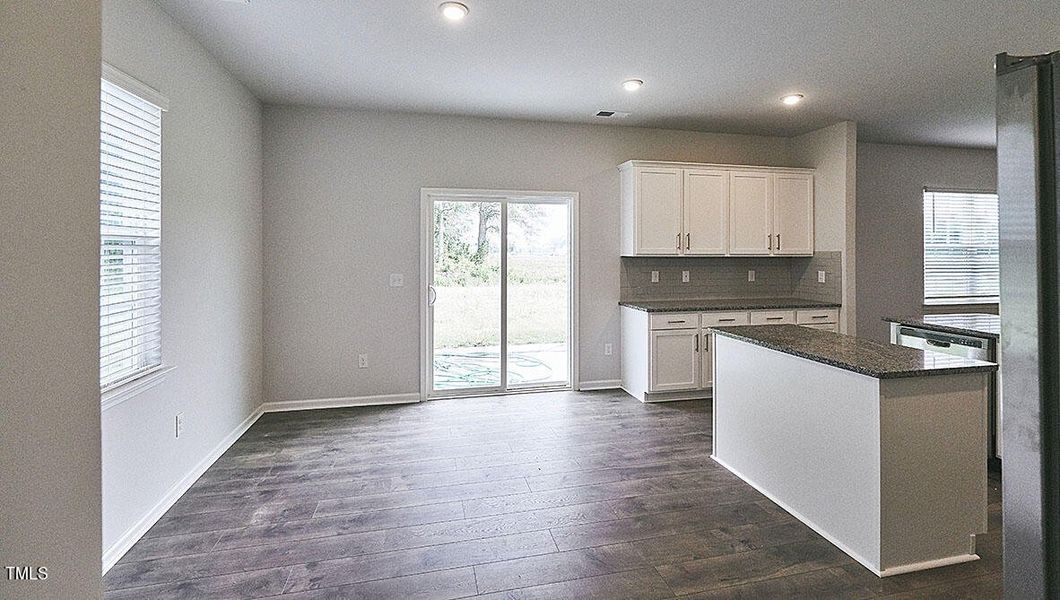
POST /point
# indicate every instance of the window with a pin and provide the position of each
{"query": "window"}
(130, 218)
(960, 248)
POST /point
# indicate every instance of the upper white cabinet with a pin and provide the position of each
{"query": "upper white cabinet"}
(750, 214)
(706, 211)
(658, 210)
(793, 213)
(689, 209)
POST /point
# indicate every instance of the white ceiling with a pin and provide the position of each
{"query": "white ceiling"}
(907, 71)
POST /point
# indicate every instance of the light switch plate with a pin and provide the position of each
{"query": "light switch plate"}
(684, 276)
(397, 280)
(820, 276)
(750, 275)
(655, 277)
(608, 350)
(362, 361)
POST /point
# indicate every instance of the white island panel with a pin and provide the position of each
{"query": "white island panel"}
(892, 471)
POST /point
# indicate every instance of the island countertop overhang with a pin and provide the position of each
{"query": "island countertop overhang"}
(862, 356)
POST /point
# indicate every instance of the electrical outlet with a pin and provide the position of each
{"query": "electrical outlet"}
(750, 275)
(608, 350)
(684, 276)
(179, 425)
(655, 277)
(820, 276)
(362, 361)
(397, 280)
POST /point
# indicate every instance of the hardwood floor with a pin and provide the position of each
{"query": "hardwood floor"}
(563, 495)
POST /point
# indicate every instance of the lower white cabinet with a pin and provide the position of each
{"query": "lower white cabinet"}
(669, 356)
(674, 360)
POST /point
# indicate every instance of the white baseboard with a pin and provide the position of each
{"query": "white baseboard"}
(340, 402)
(118, 549)
(602, 384)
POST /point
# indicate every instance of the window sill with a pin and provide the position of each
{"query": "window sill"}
(131, 389)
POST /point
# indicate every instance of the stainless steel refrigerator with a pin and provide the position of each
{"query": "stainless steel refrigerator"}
(1027, 89)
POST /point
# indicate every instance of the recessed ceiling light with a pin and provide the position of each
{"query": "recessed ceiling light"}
(792, 99)
(632, 85)
(454, 11)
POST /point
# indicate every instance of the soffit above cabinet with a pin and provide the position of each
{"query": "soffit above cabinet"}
(656, 164)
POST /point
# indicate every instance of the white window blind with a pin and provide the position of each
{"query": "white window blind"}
(130, 273)
(960, 248)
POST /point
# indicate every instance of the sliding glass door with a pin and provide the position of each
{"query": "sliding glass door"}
(499, 302)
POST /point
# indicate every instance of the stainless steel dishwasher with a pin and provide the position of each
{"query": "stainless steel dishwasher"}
(948, 343)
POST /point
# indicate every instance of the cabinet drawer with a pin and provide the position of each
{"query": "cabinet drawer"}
(818, 315)
(834, 328)
(724, 319)
(674, 321)
(773, 317)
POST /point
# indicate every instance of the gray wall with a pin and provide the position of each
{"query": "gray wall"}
(890, 222)
(212, 266)
(49, 297)
(342, 211)
(833, 152)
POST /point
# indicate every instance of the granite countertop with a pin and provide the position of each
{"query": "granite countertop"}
(971, 324)
(708, 304)
(867, 357)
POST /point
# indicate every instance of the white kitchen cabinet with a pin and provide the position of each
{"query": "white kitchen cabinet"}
(750, 217)
(706, 212)
(792, 214)
(658, 206)
(674, 360)
(773, 317)
(706, 369)
(692, 209)
(669, 356)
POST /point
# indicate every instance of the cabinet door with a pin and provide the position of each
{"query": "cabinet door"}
(706, 372)
(674, 360)
(658, 211)
(706, 212)
(793, 214)
(750, 212)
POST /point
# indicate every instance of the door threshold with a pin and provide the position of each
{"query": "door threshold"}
(491, 393)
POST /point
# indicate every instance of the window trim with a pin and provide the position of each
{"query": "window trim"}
(943, 302)
(119, 391)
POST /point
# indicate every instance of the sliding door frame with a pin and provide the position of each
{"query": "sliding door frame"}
(427, 198)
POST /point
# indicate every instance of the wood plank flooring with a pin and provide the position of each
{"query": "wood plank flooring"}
(562, 495)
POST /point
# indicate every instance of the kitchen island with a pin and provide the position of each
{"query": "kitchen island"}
(876, 447)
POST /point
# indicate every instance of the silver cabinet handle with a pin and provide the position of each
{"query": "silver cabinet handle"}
(774, 318)
(688, 241)
(726, 320)
(706, 342)
(678, 241)
(778, 242)
(676, 322)
(770, 238)
(432, 295)
(697, 342)
(819, 317)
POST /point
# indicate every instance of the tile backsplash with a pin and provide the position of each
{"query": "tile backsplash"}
(725, 277)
